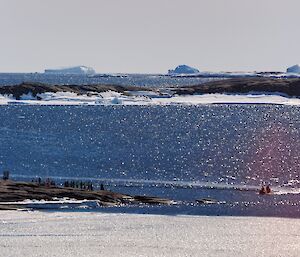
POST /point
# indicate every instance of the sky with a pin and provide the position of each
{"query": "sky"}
(142, 36)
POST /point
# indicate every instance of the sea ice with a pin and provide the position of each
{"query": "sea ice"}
(97, 234)
(183, 69)
(84, 70)
(293, 69)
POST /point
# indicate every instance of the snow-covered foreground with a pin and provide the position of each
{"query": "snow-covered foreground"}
(147, 98)
(96, 234)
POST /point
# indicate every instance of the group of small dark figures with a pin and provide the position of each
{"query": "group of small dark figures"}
(80, 185)
(50, 182)
(73, 184)
(265, 190)
(47, 182)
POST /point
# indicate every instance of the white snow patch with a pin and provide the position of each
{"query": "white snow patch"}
(28, 96)
(148, 98)
(93, 234)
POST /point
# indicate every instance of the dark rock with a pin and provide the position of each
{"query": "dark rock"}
(288, 87)
(35, 88)
(11, 191)
(206, 201)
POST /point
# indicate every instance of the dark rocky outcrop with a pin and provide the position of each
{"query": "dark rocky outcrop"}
(38, 88)
(286, 86)
(289, 87)
(11, 191)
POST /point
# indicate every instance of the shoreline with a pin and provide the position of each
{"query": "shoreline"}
(14, 194)
(194, 201)
(116, 99)
(229, 91)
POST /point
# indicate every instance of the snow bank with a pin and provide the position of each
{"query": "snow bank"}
(147, 98)
(92, 234)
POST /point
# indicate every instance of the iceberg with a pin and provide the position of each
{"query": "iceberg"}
(183, 69)
(293, 69)
(82, 70)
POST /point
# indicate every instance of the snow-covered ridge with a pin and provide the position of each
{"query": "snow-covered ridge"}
(146, 98)
(82, 70)
(237, 90)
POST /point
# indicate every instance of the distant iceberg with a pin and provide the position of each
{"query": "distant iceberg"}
(82, 70)
(183, 69)
(294, 69)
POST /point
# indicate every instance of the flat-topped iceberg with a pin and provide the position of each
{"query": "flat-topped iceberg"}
(83, 70)
(293, 69)
(183, 69)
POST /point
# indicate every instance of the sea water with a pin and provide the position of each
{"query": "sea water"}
(225, 152)
(143, 80)
(179, 152)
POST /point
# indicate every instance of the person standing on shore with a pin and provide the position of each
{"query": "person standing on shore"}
(262, 191)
